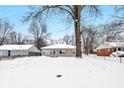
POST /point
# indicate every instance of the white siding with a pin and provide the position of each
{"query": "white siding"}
(47, 52)
(4, 53)
(19, 52)
(66, 52)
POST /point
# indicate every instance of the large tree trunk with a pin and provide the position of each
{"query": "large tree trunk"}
(77, 30)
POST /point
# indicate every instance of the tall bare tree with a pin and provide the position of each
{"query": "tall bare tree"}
(89, 38)
(74, 12)
(39, 32)
(5, 28)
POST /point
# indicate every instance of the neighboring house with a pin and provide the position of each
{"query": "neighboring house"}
(18, 50)
(107, 48)
(59, 50)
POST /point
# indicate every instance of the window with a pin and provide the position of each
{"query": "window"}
(50, 53)
(114, 49)
(73, 52)
(62, 52)
(43, 53)
(119, 49)
(54, 52)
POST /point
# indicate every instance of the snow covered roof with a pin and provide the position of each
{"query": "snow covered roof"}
(110, 45)
(34, 49)
(15, 47)
(59, 46)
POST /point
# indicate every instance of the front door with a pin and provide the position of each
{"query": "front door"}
(9, 53)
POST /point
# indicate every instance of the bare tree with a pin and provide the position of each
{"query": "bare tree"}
(5, 28)
(111, 31)
(120, 12)
(28, 40)
(59, 41)
(68, 39)
(39, 32)
(16, 38)
(73, 12)
(89, 38)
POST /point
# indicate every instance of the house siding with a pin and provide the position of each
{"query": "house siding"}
(56, 52)
(105, 52)
(33, 51)
(4, 53)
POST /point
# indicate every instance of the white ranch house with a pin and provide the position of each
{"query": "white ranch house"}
(59, 50)
(18, 50)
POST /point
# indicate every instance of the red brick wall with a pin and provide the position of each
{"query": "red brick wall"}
(104, 52)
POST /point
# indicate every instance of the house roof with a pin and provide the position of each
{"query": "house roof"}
(59, 46)
(15, 47)
(110, 45)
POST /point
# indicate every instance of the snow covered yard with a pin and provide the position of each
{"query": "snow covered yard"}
(43, 71)
(107, 58)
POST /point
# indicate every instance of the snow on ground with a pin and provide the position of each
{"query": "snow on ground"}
(41, 72)
(107, 58)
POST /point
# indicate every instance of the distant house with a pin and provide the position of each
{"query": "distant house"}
(107, 48)
(59, 50)
(18, 50)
